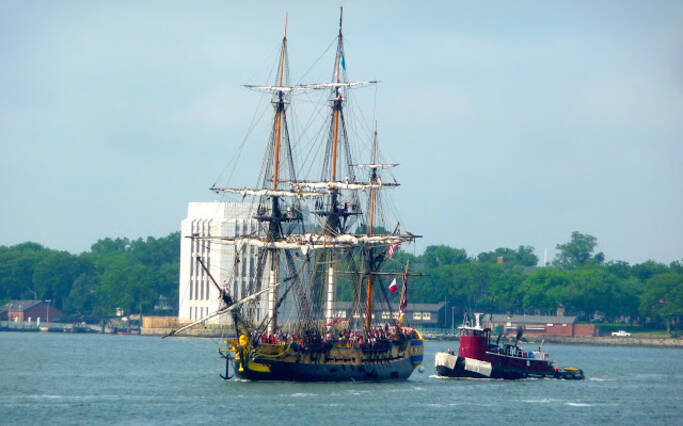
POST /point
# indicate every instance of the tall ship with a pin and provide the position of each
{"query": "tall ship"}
(320, 238)
(479, 356)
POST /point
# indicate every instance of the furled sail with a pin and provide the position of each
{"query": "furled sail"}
(275, 89)
(313, 241)
(297, 193)
(336, 185)
(375, 166)
(337, 84)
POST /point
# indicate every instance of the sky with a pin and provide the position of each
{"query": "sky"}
(515, 123)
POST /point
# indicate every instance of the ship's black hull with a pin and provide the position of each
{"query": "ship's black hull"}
(305, 372)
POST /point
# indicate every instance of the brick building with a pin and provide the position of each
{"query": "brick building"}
(555, 325)
(22, 310)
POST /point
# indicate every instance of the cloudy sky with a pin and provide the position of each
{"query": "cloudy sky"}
(514, 122)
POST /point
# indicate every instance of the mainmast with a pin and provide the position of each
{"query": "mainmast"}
(337, 102)
(333, 219)
(333, 223)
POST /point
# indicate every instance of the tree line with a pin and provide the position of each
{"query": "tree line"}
(139, 275)
(136, 275)
(578, 279)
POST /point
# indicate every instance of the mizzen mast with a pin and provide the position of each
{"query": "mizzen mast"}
(373, 178)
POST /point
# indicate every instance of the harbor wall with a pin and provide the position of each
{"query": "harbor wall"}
(159, 322)
(609, 340)
(161, 326)
(193, 332)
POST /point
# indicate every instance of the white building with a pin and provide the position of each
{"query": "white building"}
(197, 295)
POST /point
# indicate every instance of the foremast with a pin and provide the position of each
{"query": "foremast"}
(278, 166)
(274, 228)
(332, 224)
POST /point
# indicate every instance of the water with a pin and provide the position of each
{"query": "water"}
(48, 378)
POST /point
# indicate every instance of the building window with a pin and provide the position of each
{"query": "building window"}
(417, 315)
(426, 316)
(394, 315)
(386, 315)
(356, 315)
(190, 312)
(341, 314)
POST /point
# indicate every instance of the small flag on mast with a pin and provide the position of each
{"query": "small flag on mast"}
(393, 286)
(403, 304)
(341, 59)
(392, 248)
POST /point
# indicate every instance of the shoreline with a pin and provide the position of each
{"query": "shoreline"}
(587, 340)
(666, 342)
(616, 341)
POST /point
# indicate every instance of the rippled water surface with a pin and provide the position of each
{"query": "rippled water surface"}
(48, 378)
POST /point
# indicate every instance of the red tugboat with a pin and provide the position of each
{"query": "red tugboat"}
(479, 357)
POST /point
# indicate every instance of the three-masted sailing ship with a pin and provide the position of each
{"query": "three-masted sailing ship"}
(313, 235)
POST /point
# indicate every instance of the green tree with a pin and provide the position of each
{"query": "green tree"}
(578, 252)
(663, 298)
(648, 269)
(523, 256)
(544, 289)
(619, 267)
(54, 275)
(17, 264)
(440, 255)
(82, 300)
